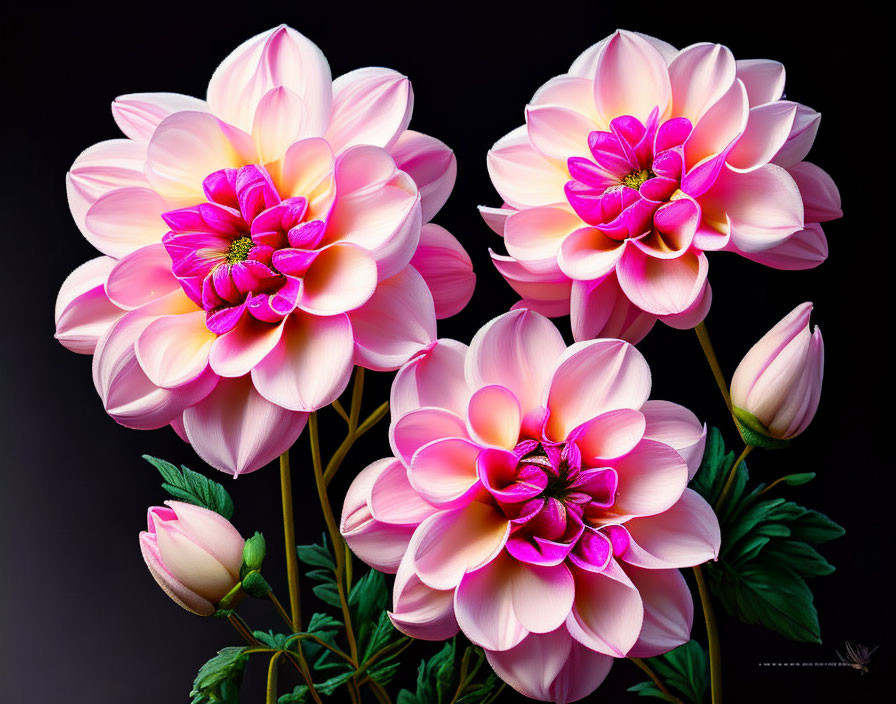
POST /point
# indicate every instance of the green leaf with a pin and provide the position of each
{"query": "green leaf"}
(368, 598)
(384, 673)
(434, 675)
(481, 692)
(406, 697)
(218, 681)
(798, 479)
(380, 636)
(325, 627)
(317, 555)
(649, 689)
(192, 487)
(277, 641)
(328, 593)
(331, 685)
(256, 585)
(298, 696)
(767, 549)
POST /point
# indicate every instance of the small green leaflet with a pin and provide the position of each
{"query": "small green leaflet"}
(218, 681)
(768, 548)
(369, 599)
(685, 669)
(186, 485)
(436, 679)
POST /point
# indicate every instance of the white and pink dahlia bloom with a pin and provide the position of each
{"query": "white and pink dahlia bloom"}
(538, 502)
(637, 162)
(256, 245)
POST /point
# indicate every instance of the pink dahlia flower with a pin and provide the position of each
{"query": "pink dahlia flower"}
(256, 246)
(536, 501)
(639, 161)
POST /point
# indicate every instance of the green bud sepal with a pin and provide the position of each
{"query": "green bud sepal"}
(754, 432)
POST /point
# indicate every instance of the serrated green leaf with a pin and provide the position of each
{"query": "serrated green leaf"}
(685, 669)
(298, 696)
(406, 697)
(331, 685)
(798, 479)
(328, 593)
(481, 692)
(317, 555)
(384, 673)
(192, 487)
(798, 557)
(218, 680)
(814, 527)
(368, 598)
(271, 639)
(379, 636)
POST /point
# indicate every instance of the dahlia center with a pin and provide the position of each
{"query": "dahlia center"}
(635, 178)
(239, 250)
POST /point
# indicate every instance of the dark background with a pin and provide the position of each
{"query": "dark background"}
(83, 622)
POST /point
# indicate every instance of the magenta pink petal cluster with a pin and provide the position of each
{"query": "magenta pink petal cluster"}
(637, 162)
(193, 553)
(538, 502)
(777, 385)
(256, 245)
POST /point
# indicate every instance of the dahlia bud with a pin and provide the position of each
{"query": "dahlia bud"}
(775, 390)
(193, 553)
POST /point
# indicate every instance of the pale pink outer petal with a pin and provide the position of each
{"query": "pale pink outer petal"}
(310, 365)
(522, 176)
(804, 249)
(558, 133)
(608, 612)
(766, 133)
(278, 57)
(378, 208)
(496, 218)
(534, 237)
(140, 277)
(499, 604)
(764, 206)
(381, 545)
(180, 594)
(447, 269)
(393, 500)
(342, 277)
(700, 74)
(237, 430)
(677, 427)
(587, 254)
(723, 122)
(236, 353)
(518, 350)
(600, 309)
(662, 286)
(281, 118)
(307, 170)
(104, 167)
(421, 611)
(694, 314)
(551, 667)
(685, 535)
(370, 106)
(591, 378)
(449, 544)
(127, 393)
(652, 478)
(494, 417)
(764, 79)
(570, 92)
(821, 198)
(443, 471)
(416, 428)
(188, 146)
(432, 379)
(83, 310)
(610, 435)
(631, 78)
(801, 137)
(585, 64)
(668, 611)
(547, 294)
(214, 533)
(396, 323)
(138, 114)
(799, 408)
(124, 220)
(431, 164)
(173, 349)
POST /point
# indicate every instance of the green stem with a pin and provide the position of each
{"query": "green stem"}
(706, 344)
(495, 696)
(656, 680)
(289, 537)
(241, 628)
(280, 610)
(729, 482)
(712, 635)
(271, 689)
(336, 541)
(322, 643)
(382, 696)
(337, 406)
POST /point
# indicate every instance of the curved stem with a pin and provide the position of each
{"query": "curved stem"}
(241, 628)
(335, 539)
(656, 680)
(271, 689)
(706, 344)
(337, 406)
(382, 696)
(280, 610)
(712, 635)
(730, 480)
(289, 538)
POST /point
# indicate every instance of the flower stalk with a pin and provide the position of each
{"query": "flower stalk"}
(712, 636)
(709, 353)
(642, 664)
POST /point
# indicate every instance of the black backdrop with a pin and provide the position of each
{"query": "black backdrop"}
(82, 621)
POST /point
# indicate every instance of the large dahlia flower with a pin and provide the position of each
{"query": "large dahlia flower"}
(536, 501)
(257, 245)
(639, 161)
